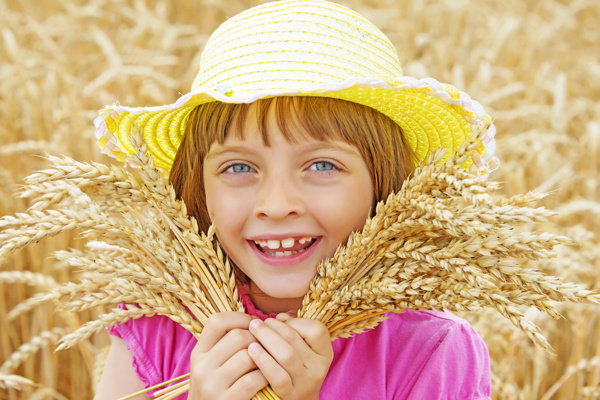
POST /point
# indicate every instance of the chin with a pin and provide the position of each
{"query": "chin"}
(284, 289)
(284, 293)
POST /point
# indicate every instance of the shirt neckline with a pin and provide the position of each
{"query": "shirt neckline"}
(249, 307)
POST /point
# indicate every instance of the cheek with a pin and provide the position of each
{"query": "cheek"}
(359, 209)
(213, 197)
(215, 205)
(228, 211)
(344, 211)
(361, 205)
(209, 204)
(209, 210)
(206, 186)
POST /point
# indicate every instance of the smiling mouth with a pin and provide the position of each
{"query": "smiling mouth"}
(284, 248)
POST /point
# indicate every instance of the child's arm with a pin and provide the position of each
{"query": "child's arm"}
(119, 378)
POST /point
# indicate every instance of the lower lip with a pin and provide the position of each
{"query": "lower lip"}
(284, 260)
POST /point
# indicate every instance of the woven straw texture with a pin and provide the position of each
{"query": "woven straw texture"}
(308, 48)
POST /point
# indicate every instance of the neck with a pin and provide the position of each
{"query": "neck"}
(272, 305)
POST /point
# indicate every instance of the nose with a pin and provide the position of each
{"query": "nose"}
(279, 197)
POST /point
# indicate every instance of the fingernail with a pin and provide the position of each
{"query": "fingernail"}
(255, 324)
(283, 316)
(254, 349)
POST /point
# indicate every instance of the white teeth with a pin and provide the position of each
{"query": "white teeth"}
(284, 253)
(287, 243)
(304, 240)
(273, 244)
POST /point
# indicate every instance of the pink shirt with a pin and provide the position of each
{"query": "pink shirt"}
(415, 355)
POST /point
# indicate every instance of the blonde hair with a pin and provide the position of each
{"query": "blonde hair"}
(379, 140)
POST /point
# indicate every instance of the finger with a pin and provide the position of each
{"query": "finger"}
(218, 325)
(221, 377)
(314, 333)
(279, 379)
(231, 344)
(283, 317)
(237, 366)
(248, 385)
(283, 343)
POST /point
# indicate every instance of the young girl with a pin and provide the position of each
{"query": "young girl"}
(298, 123)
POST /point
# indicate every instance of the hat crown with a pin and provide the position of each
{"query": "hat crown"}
(291, 45)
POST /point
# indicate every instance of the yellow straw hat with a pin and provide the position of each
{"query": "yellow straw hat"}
(306, 48)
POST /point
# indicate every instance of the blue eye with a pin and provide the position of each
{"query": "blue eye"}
(238, 169)
(322, 166)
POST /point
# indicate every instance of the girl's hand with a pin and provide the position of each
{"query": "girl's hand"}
(220, 365)
(293, 354)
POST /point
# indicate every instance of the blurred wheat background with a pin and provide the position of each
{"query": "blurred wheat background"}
(533, 64)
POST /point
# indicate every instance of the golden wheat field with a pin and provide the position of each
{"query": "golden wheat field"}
(533, 64)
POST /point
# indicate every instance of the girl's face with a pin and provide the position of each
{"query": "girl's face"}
(281, 209)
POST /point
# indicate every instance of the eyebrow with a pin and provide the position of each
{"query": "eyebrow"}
(229, 149)
(343, 146)
(305, 149)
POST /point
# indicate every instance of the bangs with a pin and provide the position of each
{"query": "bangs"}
(297, 118)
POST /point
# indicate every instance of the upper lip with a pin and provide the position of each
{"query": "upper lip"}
(281, 236)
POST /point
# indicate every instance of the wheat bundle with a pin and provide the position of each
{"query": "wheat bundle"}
(441, 242)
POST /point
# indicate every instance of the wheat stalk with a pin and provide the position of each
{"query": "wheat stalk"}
(570, 371)
(15, 381)
(441, 242)
(34, 279)
(27, 349)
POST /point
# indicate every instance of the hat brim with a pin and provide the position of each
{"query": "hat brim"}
(431, 115)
